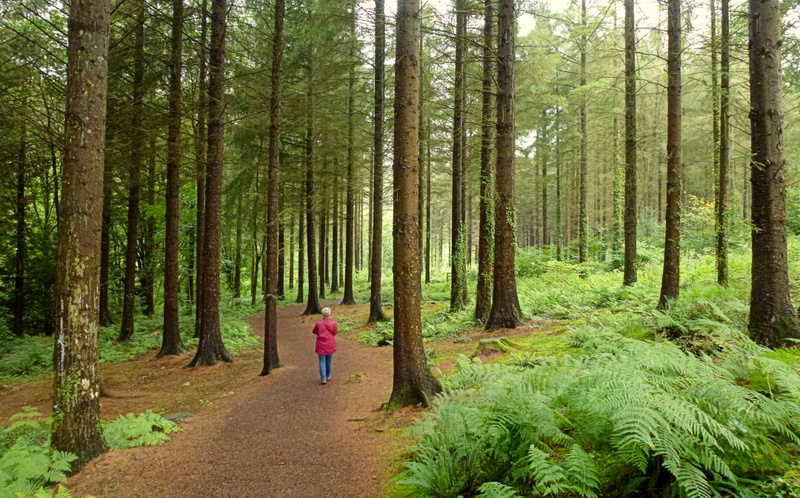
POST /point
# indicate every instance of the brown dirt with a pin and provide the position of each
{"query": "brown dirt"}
(283, 435)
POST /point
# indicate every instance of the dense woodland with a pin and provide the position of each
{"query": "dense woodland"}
(171, 159)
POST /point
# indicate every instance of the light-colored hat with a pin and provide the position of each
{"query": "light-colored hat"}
(326, 311)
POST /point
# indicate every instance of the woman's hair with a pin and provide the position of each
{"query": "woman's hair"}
(326, 311)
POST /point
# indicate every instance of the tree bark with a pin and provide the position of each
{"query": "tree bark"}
(76, 399)
(629, 265)
(300, 255)
(147, 251)
(335, 238)
(200, 158)
(171, 343)
(483, 298)
(376, 247)
(458, 256)
(134, 182)
(236, 286)
(105, 244)
(505, 311)
(18, 321)
(349, 248)
(211, 348)
(772, 317)
(281, 248)
(428, 204)
(312, 305)
(671, 277)
(271, 360)
(413, 382)
(559, 199)
(583, 223)
(724, 147)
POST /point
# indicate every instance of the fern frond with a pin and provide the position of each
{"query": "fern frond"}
(497, 490)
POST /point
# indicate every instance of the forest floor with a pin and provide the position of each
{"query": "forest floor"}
(282, 435)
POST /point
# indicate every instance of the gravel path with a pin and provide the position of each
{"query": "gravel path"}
(283, 435)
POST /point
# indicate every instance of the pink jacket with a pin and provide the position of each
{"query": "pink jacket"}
(325, 332)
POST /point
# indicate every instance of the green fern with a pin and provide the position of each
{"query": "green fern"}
(25, 469)
(145, 429)
(621, 417)
(497, 490)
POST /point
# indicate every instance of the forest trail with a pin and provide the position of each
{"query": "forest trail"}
(283, 435)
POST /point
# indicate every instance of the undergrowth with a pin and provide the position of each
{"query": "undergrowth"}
(29, 467)
(33, 355)
(145, 429)
(618, 418)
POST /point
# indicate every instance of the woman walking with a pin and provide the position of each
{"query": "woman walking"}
(325, 331)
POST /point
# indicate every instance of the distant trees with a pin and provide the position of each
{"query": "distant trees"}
(76, 399)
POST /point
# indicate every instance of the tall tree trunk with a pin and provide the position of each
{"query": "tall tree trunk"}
(543, 152)
(559, 199)
(323, 239)
(271, 360)
(211, 348)
(200, 163)
(458, 260)
(134, 181)
(312, 305)
(772, 318)
(413, 382)
(616, 198)
(583, 224)
(291, 251)
(724, 149)
(671, 278)
(255, 261)
(506, 311)
(237, 251)
(629, 265)
(428, 204)
(483, 298)
(300, 255)
(350, 222)
(105, 243)
(281, 248)
(147, 251)
(171, 343)
(376, 247)
(76, 398)
(335, 239)
(18, 306)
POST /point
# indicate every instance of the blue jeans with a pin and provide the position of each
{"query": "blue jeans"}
(325, 366)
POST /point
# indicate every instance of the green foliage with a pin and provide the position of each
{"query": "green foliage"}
(620, 417)
(131, 431)
(27, 463)
(27, 355)
(705, 321)
(33, 355)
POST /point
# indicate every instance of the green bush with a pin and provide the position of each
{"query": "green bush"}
(622, 417)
